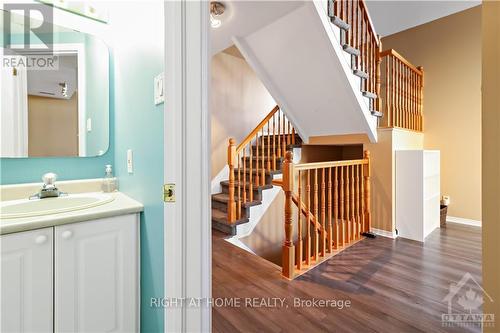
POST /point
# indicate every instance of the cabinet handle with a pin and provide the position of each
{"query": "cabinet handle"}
(66, 234)
(40, 239)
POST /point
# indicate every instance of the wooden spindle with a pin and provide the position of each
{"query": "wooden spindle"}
(274, 142)
(250, 174)
(288, 251)
(231, 204)
(358, 205)
(283, 137)
(316, 215)
(342, 206)
(262, 156)
(347, 204)
(279, 131)
(299, 223)
(336, 208)
(257, 176)
(378, 70)
(239, 190)
(329, 230)
(367, 191)
(245, 174)
(323, 214)
(268, 149)
(308, 219)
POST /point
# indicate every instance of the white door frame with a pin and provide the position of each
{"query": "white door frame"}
(187, 226)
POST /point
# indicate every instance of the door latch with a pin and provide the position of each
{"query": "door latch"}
(169, 193)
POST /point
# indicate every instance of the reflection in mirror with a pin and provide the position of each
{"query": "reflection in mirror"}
(54, 98)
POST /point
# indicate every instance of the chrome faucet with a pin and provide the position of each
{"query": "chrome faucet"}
(49, 189)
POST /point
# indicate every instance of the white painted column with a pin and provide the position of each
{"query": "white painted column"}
(187, 147)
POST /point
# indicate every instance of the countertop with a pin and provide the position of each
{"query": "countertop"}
(121, 205)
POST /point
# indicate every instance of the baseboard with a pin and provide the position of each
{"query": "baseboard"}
(460, 220)
(384, 233)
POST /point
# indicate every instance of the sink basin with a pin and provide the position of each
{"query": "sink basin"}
(36, 207)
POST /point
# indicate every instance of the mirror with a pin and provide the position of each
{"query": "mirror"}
(54, 97)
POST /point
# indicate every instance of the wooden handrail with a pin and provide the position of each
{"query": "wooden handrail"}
(394, 53)
(337, 195)
(251, 162)
(256, 130)
(329, 164)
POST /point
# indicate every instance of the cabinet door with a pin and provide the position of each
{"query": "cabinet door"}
(96, 275)
(26, 281)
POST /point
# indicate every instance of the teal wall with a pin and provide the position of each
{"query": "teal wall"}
(138, 57)
(136, 47)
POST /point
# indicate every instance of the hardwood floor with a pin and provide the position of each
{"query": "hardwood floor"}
(393, 286)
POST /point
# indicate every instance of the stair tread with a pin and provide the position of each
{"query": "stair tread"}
(351, 50)
(360, 73)
(340, 23)
(224, 197)
(369, 94)
(377, 113)
(221, 217)
(255, 187)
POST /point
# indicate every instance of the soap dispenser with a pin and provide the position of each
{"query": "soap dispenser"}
(109, 183)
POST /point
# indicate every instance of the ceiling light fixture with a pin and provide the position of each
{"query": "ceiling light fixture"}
(216, 10)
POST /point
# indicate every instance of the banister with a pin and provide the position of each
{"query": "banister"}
(335, 199)
(252, 134)
(394, 53)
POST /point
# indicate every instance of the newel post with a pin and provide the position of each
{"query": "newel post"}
(367, 198)
(231, 204)
(378, 78)
(288, 248)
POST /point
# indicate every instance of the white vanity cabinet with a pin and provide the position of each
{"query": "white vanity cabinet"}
(93, 267)
(96, 275)
(26, 281)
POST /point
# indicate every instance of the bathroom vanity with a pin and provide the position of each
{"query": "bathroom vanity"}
(70, 263)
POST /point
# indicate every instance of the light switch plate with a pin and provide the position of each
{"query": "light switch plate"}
(159, 89)
(130, 161)
(89, 124)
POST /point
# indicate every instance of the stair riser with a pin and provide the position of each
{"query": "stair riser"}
(257, 194)
(229, 230)
(222, 206)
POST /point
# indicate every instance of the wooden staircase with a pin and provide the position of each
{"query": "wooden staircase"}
(253, 167)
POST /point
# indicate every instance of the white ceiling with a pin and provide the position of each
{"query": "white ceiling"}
(243, 17)
(390, 17)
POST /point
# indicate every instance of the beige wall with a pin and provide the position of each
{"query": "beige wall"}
(238, 100)
(491, 158)
(383, 169)
(52, 126)
(449, 49)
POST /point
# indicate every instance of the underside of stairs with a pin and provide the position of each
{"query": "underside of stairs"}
(220, 200)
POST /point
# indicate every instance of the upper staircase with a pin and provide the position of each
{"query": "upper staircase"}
(321, 57)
